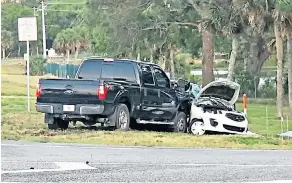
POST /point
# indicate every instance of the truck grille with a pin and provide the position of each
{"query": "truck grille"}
(234, 128)
(235, 117)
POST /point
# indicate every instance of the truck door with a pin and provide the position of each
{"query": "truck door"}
(149, 94)
(167, 100)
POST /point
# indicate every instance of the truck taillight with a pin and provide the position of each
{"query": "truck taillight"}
(38, 91)
(101, 92)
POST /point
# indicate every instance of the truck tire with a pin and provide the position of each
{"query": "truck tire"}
(122, 116)
(59, 124)
(180, 123)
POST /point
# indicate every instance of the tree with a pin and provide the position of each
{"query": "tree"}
(207, 38)
(283, 18)
(282, 26)
(64, 42)
(256, 16)
(6, 42)
(80, 39)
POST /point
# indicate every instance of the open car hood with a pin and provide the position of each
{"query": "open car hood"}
(223, 89)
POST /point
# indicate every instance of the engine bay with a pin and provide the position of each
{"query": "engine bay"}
(213, 104)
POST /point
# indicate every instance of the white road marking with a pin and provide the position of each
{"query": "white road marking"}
(68, 165)
(63, 166)
(139, 147)
(273, 181)
(196, 164)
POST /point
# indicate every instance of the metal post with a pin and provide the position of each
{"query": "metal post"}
(282, 119)
(27, 76)
(287, 123)
(267, 121)
(44, 31)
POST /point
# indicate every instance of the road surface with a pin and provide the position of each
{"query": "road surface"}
(47, 162)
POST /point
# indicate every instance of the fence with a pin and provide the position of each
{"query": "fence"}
(262, 118)
(61, 70)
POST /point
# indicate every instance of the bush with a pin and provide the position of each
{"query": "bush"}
(268, 89)
(37, 66)
(248, 82)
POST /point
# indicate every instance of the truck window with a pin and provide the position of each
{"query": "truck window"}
(95, 69)
(119, 70)
(161, 78)
(147, 76)
(90, 69)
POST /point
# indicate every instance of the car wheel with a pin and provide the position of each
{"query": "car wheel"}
(180, 123)
(122, 117)
(197, 128)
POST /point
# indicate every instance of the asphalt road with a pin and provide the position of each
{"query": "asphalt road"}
(67, 163)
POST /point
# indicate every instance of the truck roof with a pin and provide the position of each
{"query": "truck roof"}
(122, 59)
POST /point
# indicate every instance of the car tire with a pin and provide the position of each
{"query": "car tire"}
(180, 123)
(122, 117)
(197, 128)
(59, 124)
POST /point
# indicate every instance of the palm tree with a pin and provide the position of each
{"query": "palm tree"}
(283, 16)
(65, 42)
(82, 39)
(280, 55)
(203, 9)
(226, 21)
(6, 42)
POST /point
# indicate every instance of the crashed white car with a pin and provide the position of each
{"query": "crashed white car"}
(213, 110)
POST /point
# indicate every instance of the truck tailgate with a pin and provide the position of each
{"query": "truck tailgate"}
(68, 91)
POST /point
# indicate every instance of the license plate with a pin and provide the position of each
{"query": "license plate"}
(68, 108)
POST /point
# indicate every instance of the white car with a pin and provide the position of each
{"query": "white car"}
(213, 110)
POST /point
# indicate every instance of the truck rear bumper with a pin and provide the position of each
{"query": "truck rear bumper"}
(81, 109)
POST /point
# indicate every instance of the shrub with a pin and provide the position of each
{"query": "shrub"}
(37, 65)
(268, 89)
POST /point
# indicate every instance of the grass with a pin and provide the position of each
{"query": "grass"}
(14, 80)
(17, 124)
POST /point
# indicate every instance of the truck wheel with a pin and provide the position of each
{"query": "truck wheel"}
(180, 123)
(59, 124)
(122, 117)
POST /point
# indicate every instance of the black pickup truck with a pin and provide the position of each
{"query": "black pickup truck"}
(113, 92)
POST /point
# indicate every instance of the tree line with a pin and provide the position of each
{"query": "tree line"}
(158, 30)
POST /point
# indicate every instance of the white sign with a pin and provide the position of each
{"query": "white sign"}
(25, 57)
(27, 29)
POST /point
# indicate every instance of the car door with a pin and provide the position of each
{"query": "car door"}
(167, 100)
(149, 95)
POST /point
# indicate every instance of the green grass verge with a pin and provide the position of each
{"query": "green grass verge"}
(17, 124)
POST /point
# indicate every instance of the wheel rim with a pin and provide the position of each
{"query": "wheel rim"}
(123, 120)
(197, 128)
(181, 125)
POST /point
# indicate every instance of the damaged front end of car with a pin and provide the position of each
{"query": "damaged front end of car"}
(214, 110)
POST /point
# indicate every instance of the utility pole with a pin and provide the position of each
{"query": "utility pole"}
(44, 31)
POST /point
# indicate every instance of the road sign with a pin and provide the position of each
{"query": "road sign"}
(27, 29)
